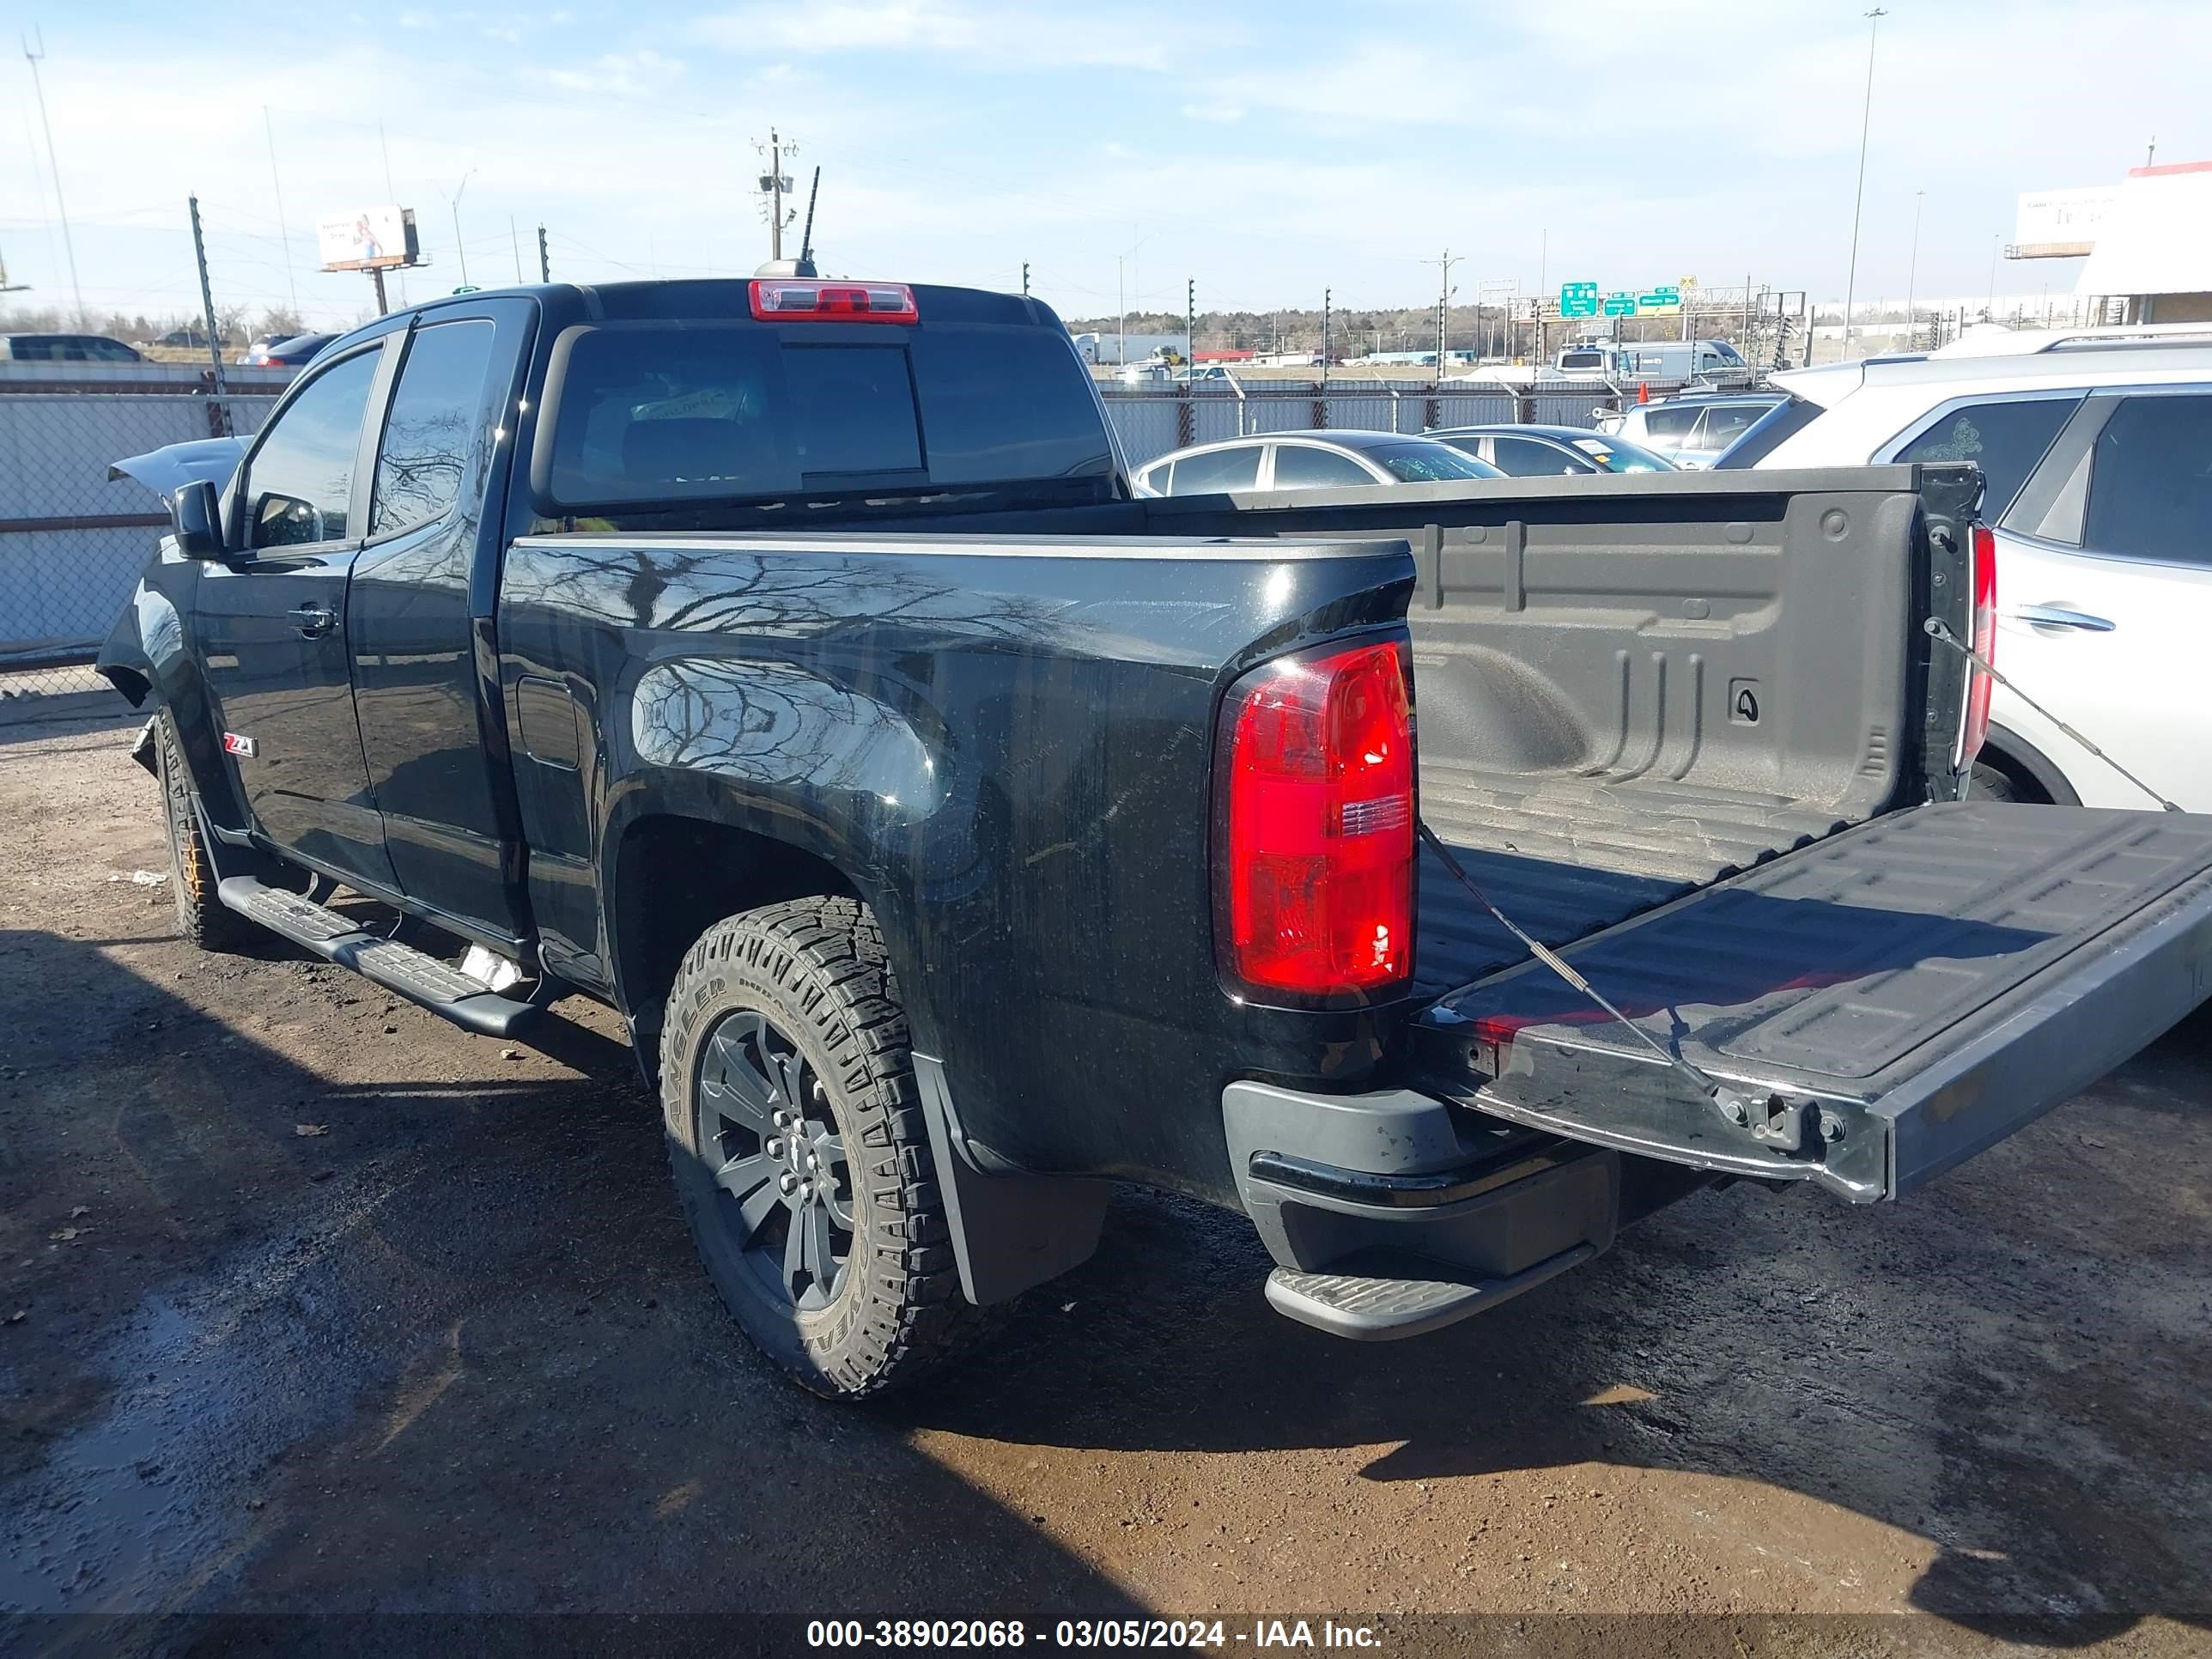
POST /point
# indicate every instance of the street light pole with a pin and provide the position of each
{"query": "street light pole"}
(1859, 198)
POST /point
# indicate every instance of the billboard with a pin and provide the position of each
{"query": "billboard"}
(366, 238)
(2060, 224)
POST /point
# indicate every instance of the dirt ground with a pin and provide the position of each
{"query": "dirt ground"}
(315, 1305)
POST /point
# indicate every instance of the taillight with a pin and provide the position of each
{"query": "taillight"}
(1976, 725)
(1313, 878)
(776, 299)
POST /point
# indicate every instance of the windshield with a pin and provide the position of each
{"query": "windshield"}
(1617, 455)
(1433, 462)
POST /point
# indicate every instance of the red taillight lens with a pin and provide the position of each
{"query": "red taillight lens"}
(1976, 725)
(776, 300)
(1317, 856)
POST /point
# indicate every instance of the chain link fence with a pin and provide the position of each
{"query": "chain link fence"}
(1150, 420)
(72, 541)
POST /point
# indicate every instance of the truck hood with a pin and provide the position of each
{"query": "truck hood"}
(166, 470)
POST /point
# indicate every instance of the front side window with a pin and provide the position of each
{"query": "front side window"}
(2005, 437)
(1214, 470)
(1302, 466)
(436, 430)
(298, 485)
(2150, 487)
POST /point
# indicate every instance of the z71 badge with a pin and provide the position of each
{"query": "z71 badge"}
(235, 744)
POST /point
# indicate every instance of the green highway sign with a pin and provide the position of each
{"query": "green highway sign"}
(1620, 305)
(1659, 302)
(1577, 299)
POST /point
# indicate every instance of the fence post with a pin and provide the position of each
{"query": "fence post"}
(1433, 414)
(1185, 419)
(1397, 401)
(1524, 408)
(1321, 405)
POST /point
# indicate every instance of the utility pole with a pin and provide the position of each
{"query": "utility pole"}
(1190, 322)
(545, 263)
(1865, 122)
(1911, 276)
(774, 183)
(1444, 300)
(1325, 294)
(34, 55)
(1121, 305)
(207, 312)
(284, 228)
(1025, 279)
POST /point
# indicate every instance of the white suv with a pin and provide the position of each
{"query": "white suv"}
(2096, 448)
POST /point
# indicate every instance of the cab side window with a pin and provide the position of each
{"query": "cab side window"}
(435, 436)
(298, 485)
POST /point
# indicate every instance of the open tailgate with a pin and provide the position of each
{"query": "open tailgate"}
(1886, 1003)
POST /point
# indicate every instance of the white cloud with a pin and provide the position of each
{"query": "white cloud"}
(1218, 114)
(991, 34)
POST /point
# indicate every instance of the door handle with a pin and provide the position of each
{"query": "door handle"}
(314, 619)
(2059, 616)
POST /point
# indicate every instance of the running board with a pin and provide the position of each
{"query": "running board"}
(401, 969)
(1401, 1295)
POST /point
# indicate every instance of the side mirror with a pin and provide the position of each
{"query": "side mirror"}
(197, 511)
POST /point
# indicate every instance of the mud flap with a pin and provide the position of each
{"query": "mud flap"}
(1883, 1004)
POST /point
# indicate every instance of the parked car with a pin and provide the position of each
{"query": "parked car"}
(288, 353)
(1692, 430)
(788, 665)
(2096, 445)
(66, 348)
(1536, 451)
(1308, 460)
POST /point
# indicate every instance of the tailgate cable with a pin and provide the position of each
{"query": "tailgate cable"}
(1744, 1111)
(1938, 630)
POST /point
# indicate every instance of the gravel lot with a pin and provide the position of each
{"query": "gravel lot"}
(315, 1304)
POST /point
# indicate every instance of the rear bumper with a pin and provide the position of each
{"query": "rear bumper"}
(1330, 1179)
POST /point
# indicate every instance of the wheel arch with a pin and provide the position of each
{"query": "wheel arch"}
(672, 868)
(2024, 764)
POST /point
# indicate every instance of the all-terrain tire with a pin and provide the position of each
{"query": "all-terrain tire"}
(201, 917)
(816, 969)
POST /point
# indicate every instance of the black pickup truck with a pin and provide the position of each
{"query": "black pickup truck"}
(791, 666)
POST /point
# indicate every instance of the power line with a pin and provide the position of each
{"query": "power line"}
(1858, 196)
(283, 231)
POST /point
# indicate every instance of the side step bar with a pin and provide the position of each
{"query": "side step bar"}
(422, 979)
(1400, 1294)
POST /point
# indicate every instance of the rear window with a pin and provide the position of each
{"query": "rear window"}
(2005, 437)
(672, 412)
(1582, 360)
(1430, 463)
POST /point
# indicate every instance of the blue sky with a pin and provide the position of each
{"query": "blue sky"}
(1266, 151)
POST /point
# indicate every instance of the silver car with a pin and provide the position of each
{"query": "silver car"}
(1308, 460)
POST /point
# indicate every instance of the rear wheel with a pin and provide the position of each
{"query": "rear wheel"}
(800, 1153)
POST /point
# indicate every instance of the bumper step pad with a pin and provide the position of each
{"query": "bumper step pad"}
(421, 978)
(1400, 1295)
